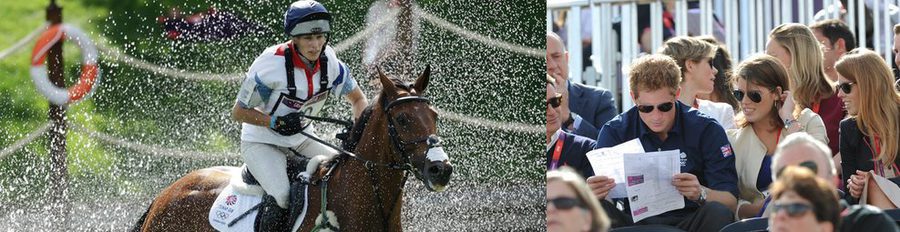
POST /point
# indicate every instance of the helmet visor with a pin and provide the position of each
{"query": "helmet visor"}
(311, 27)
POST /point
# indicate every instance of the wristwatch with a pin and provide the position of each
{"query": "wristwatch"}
(789, 122)
(702, 199)
(568, 122)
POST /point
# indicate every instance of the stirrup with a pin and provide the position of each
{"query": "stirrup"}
(272, 218)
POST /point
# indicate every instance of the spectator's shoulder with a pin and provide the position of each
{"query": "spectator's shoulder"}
(582, 141)
(867, 218)
(693, 118)
(619, 122)
(590, 88)
(848, 124)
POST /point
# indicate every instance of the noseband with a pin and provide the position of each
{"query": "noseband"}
(432, 140)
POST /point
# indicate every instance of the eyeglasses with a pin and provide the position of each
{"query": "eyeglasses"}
(665, 107)
(755, 96)
(809, 164)
(555, 101)
(565, 203)
(792, 209)
(846, 87)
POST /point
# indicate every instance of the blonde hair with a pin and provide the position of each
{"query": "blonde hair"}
(877, 112)
(683, 48)
(653, 72)
(806, 72)
(599, 220)
(767, 72)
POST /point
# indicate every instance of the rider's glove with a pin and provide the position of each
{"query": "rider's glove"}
(289, 124)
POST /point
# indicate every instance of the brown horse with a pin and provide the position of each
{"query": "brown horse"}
(364, 190)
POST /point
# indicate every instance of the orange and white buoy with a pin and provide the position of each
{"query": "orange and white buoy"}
(89, 69)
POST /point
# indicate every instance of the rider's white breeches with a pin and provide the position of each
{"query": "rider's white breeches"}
(269, 165)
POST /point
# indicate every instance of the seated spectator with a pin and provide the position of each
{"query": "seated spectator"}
(563, 148)
(801, 149)
(896, 50)
(570, 204)
(694, 56)
(870, 136)
(801, 54)
(803, 202)
(722, 86)
(585, 108)
(761, 86)
(211, 25)
(836, 39)
(708, 181)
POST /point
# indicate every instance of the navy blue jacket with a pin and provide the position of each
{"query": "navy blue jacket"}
(706, 152)
(595, 106)
(573, 153)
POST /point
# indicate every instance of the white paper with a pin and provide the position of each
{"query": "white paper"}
(649, 183)
(609, 162)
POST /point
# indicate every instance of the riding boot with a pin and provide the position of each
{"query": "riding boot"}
(272, 218)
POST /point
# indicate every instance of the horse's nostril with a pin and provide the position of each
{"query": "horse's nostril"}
(434, 170)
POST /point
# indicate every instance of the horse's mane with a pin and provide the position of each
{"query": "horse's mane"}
(360, 125)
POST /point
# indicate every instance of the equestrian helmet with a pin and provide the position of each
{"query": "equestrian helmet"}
(306, 17)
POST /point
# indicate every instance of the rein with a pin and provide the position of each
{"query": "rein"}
(370, 165)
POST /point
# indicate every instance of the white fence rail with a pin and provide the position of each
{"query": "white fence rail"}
(746, 26)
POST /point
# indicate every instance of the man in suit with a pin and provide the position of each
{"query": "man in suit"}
(586, 108)
(563, 148)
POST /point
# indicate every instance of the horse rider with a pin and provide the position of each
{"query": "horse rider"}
(284, 83)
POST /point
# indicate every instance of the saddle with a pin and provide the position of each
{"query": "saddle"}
(298, 193)
(295, 165)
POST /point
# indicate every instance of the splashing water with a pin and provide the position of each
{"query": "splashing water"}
(497, 184)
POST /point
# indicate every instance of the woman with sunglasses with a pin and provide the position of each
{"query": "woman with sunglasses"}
(563, 148)
(694, 57)
(803, 202)
(570, 204)
(870, 136)
(760, 85)
(797, 49)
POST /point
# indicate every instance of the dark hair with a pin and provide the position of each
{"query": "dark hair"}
(835, 29)
(767, 72)
(722, 84)
(817, 191)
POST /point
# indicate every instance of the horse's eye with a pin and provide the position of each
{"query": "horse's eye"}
(403, 120)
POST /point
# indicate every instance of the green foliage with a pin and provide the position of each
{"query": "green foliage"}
(468, 77)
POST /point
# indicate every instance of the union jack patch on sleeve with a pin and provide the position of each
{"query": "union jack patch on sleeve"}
(726, 151)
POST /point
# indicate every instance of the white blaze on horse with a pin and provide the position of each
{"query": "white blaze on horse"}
(356, 191)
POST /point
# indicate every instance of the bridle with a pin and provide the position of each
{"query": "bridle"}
(404, 165)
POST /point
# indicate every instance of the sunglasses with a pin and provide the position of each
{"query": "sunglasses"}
(555, 101)
(665, 107)
(846, 87)
(755, 96)
(809, 164)
(565, 203)
(792, 209)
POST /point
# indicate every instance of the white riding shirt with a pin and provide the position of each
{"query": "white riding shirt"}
(265, 88)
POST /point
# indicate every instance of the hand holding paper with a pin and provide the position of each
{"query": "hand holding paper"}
(687, 185)
(601, 185)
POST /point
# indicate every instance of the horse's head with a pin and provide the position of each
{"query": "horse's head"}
(412, 127)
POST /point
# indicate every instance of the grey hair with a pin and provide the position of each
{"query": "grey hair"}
(801, 138)
(553, 35)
